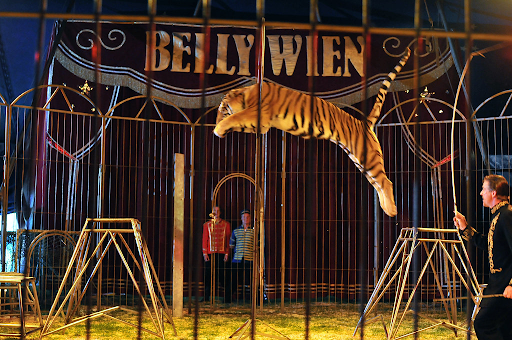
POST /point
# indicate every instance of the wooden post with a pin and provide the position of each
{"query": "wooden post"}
(179, 214)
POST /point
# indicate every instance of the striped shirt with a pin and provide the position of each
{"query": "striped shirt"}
(243, 242)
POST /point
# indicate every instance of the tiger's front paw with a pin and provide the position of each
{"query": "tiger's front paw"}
(219, 132)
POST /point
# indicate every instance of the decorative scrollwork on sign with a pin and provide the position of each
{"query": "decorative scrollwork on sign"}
(428, 46)
(111, 37)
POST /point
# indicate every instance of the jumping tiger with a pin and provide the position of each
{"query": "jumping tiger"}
(289, 110)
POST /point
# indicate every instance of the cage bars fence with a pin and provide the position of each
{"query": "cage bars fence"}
(345, 284)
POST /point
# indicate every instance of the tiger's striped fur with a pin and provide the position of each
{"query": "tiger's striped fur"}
(289, 110)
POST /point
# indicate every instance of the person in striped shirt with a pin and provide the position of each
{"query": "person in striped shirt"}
(242, 240)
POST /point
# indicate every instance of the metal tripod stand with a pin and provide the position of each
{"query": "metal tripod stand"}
(82, 258)
(449, 246)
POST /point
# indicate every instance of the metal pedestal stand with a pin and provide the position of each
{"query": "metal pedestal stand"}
(81, 259)
(449, 248)
(19, 290)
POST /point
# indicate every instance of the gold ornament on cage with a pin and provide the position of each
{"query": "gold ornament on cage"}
(85, 88)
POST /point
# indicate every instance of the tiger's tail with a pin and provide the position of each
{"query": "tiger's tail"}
(377, 107)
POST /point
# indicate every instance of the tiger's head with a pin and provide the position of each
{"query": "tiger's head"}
(233, 102)
(238, 111)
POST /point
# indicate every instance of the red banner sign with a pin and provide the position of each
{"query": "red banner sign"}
(173, 56)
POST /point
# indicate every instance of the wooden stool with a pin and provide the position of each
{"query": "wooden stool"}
(19, 290)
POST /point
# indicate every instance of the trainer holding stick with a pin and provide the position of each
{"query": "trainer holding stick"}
(494, 321)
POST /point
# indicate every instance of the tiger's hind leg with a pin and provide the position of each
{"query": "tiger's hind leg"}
(242, 121)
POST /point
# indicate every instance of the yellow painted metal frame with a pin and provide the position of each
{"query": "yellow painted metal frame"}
(82, 258)
(444, 241)
(26, 296)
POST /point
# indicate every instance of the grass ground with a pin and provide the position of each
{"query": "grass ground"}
(327, 321)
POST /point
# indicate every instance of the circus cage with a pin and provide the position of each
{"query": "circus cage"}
(111, 167)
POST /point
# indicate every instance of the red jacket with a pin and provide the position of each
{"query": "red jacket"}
(216, 237)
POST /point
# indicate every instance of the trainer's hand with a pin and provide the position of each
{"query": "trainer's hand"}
(206, 258)
(508, 292)
(460, 221)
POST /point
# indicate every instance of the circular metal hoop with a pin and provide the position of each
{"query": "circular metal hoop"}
(231, 176)
(44, 234)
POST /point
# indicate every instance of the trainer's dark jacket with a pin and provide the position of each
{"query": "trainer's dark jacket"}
(498, 243)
